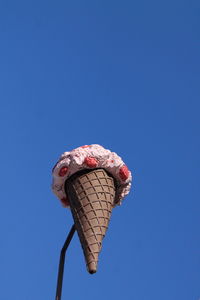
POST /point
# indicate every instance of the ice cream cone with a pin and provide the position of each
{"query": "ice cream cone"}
(91, 195)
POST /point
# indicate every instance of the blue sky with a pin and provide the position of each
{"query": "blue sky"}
(124, 74)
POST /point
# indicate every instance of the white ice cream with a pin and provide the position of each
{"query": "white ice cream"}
(91, 157)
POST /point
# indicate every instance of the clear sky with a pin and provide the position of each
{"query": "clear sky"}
(124, 74)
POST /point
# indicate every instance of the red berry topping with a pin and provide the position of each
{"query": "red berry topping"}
(65, 201)
(86, 146)
(63, 171)
(124, 173)
(91, 162)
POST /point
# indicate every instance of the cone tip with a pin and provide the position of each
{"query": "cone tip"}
(92, 267)
(92, 271)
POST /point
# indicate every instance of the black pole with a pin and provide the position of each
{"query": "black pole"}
(62, 263)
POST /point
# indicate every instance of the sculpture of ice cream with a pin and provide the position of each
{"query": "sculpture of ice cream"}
(91, 180)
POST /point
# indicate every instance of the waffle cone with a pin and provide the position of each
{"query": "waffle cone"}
(91, 194)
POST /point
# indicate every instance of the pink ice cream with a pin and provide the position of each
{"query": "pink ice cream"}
(91, 157)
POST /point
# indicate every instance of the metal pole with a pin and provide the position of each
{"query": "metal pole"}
(62, 263)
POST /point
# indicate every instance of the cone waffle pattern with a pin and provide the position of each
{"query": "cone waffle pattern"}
(91, 197)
